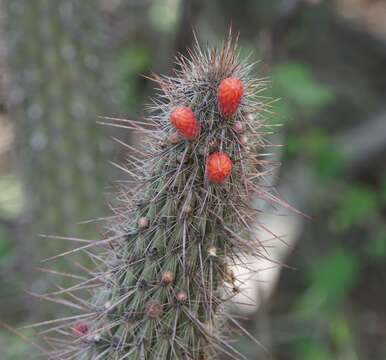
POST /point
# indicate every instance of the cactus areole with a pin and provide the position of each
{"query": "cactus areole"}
(181, 221)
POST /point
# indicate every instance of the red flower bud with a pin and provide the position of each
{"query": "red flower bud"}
(183, 119)
(229, 95)
(218, 167)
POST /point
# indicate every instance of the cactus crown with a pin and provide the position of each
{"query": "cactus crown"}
(183, 220)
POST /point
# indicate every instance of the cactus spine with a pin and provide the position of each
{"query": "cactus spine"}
(164, 270)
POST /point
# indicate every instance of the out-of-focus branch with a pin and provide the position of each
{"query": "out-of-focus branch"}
(364, 143)
(286, 18)
(189, 12)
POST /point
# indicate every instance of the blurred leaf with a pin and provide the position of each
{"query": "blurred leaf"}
(342, 337)
(297, 85)
(331, 279)
(316, 141)
(312, 143)
(133, 61)
(327, 162)
(294, 146)
(312, 349)
(280, 111)
(359, 205)
(337, 273)
(376, 247)
(339, 329)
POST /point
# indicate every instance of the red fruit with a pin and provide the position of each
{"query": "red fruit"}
(183, 119)
(80, 329)
(218, 167)
(229, 95)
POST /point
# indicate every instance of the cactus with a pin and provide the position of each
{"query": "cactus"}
(164, 268)
(55, 64)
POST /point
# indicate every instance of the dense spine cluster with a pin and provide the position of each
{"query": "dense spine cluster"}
(181, 223)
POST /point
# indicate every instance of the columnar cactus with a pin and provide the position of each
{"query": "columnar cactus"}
(180, 224)
(55, 64)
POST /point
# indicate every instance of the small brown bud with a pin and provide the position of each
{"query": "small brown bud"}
(154, 310)
(238, 127)
(202, 357)
(236, 290)
(213, 144)
(167, 277)
(212, 251)
(249, 117)
(161, 144)
(182, 296)
(175, 138)
(229, 275)
(187, 210)
(244, 140)
(250, 187)
(208, 325)
(80, 329)
(143, 223)
(107, 305)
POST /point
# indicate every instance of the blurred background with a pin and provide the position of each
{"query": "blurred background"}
(64, 63)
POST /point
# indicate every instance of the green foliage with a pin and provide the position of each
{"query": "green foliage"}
(359, 204)
(331, 280)
(376, 247)
(337, 343)
(341, 336)
(311, 349)
(132, 64)
(326, 161)
(304, 95)
(329, 163)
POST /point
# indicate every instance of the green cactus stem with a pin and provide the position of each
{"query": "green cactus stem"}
(164, 268)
